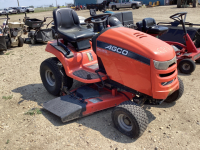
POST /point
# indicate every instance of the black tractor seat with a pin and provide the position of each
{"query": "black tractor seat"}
(75, 34)
(150, 27)
(68, 27)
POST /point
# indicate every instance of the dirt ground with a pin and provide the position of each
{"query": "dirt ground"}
(173, 126)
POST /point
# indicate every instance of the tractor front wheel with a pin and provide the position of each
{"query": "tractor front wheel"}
(186, 66)
(177, 94)
(130, 119)
(52, 77)
(20, 41)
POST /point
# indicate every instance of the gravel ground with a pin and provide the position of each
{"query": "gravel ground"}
(173, 126)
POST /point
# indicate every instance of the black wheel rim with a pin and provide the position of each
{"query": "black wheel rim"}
(186, 66)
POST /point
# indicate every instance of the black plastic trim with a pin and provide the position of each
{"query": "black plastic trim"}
(127, 53)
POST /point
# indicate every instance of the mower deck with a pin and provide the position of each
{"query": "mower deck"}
(84, 101)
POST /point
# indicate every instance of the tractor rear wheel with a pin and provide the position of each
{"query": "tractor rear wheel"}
(130, 119)
(186, 66)
(52, 77)
(177, 94)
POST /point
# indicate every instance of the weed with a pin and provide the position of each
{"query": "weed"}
(33, 111)
(7, 53)
(7, 141)
(7, 97)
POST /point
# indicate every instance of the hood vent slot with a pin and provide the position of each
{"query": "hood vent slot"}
(139, 35)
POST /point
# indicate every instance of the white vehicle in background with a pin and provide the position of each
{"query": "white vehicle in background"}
(21, 9)
(12, 11)
(29, 9)
(2, 12)
(125, 4)
(6, 10)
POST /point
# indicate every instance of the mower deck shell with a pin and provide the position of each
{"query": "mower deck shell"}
(70, 107)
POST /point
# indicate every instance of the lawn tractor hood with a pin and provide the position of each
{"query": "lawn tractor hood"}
(134, 59)
(139, 43)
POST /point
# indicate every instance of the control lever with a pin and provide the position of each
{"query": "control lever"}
(62, 45)
(64, 89)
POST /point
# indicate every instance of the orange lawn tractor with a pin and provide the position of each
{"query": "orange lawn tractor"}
(121, 68)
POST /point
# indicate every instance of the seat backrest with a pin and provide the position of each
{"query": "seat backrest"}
(127, 17)
(65, 18)
(92, 12)
(148, 23)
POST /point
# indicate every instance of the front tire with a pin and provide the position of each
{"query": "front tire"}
(130, 119)
(177, 94)
(133, 6)
(20, 41)
(33, 41)
(8, 44)
(186, 66)
(52, 77)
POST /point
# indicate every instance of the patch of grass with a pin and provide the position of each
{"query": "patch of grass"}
(7, 53)
(43, 9)
(33, 111)
(7, 141)
(7, 97)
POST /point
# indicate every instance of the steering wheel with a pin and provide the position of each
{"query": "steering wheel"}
(177, 15)
(98, 18)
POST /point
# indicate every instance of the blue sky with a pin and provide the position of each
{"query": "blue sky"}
(13, 3)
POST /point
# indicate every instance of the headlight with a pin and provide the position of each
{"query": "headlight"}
(164, 65)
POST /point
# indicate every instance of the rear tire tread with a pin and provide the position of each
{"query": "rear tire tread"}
(52, 64)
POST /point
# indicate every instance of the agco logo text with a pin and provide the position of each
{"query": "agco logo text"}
(117, 49)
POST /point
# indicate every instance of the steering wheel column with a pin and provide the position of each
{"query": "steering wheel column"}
(98, 27)
(99, 21)
(180, 17)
